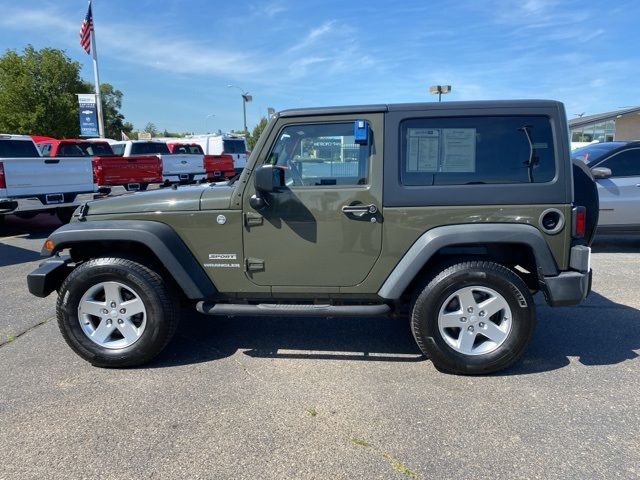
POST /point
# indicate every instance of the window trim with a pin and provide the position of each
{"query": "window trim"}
(324, 187)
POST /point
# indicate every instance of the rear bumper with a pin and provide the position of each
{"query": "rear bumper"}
(183, 177)
(48, 276)
(40, 203)
(570, 288)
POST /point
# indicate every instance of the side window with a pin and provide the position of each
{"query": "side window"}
(118, 149)
(477, 150)
(624, 164)
(321, 154)
(45, 149)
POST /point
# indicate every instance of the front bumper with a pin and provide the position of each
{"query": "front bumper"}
(49, 275)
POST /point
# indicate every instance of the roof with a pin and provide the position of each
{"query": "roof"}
(476, 104)
(601, 117)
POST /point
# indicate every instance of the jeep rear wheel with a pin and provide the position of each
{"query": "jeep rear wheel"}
(114, 312)
(473, 318)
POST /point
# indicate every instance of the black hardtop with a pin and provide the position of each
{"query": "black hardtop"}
(377, 108)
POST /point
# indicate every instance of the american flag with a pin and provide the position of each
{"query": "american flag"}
(85, 31)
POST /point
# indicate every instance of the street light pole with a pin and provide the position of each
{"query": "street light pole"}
(245, 99)
(440, 89)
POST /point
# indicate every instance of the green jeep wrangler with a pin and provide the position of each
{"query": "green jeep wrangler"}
(455, 213)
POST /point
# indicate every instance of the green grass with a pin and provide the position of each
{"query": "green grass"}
(312, 411)
(398, 466)
(10, 338)
(361, 442)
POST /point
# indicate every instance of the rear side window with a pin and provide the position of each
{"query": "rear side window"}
(96, 148)
(150, 148)
(18, 149)
(477, 150)
(188, 149)
(233, 146)
(69, 150)
(624, 164)
(118, 149)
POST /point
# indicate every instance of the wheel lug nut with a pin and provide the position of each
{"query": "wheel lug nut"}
(481, 324)
(470, 328)
(120, 321)
(123, 310)
(470, 309)
(482, 313)
(113, 304)
(463, 319)
(108, 322)
(105, 311)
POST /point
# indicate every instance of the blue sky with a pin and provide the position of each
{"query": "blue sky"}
(174, 59)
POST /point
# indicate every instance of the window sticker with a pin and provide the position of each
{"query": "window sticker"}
(423, 149)
(459, 150)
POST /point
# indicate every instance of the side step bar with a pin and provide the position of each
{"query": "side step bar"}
(209, 308)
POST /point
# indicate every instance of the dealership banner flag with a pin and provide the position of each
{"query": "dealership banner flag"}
(88, 115)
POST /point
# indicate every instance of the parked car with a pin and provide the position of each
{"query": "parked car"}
(235, 146)
(467, 209)
(182, 168)
(616, 168)
(31, 184)
(218, 167)
(109, 170)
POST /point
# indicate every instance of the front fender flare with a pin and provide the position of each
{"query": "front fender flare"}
(160, 238)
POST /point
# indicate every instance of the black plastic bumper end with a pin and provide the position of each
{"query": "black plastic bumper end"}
(568, 288)
(48, 276)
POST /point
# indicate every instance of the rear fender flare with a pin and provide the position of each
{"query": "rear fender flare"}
(487, 233)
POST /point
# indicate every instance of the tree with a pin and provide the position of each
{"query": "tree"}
(38, 95)
(114, 122)
(151, 128)
(257, 131)
(38, 92)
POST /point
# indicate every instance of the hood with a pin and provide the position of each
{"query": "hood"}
(184, 198)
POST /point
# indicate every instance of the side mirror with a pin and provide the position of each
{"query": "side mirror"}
(601, 172)
(268, 178)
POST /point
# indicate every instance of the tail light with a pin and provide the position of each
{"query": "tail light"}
(579, 222)
(3, 182)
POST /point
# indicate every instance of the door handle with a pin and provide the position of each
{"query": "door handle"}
(359, 210)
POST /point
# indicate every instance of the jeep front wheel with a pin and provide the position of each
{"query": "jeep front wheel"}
(473, 318)
(115, 312)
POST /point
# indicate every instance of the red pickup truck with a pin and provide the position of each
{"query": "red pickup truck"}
(109, 170)
(218, 167)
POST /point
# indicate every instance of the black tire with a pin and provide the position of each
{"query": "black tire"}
(430, 297)
(65, 214)
(161, 306)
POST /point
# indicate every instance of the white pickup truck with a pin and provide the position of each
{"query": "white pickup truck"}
(176, 168)
(30, 183)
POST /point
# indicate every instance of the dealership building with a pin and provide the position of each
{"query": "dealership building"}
(606, 127)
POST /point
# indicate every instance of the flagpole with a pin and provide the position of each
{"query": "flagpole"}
(96, 77)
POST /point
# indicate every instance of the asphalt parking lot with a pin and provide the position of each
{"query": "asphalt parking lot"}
(319, 398)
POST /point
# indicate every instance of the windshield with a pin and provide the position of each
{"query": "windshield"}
(18, 149)
(187, 149)
(96, 149)
(150, 148)
(591, 153)
(233, 146)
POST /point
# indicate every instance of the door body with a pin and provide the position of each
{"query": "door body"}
(305, 236)
(620, 194)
